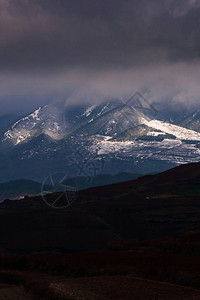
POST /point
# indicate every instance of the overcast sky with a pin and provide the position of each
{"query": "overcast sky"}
(53, 50)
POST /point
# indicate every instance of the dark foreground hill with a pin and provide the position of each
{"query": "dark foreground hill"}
(150, 207)
(184, 179)
(134, 240)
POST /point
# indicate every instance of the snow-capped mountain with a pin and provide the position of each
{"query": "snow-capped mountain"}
(54, 122)
(80, 116)
(46, 120)
(113, 121)
(110, 137)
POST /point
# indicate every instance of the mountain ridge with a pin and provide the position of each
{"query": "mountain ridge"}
(48, 139)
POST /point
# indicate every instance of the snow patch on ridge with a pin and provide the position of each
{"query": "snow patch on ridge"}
(88, 111)
(179, 132)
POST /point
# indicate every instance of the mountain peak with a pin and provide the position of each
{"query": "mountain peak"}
(46, 120)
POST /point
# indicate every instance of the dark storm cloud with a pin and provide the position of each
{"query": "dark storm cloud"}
(88, 50)
(100, 34)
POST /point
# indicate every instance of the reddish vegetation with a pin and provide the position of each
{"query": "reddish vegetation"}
(126, 270)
